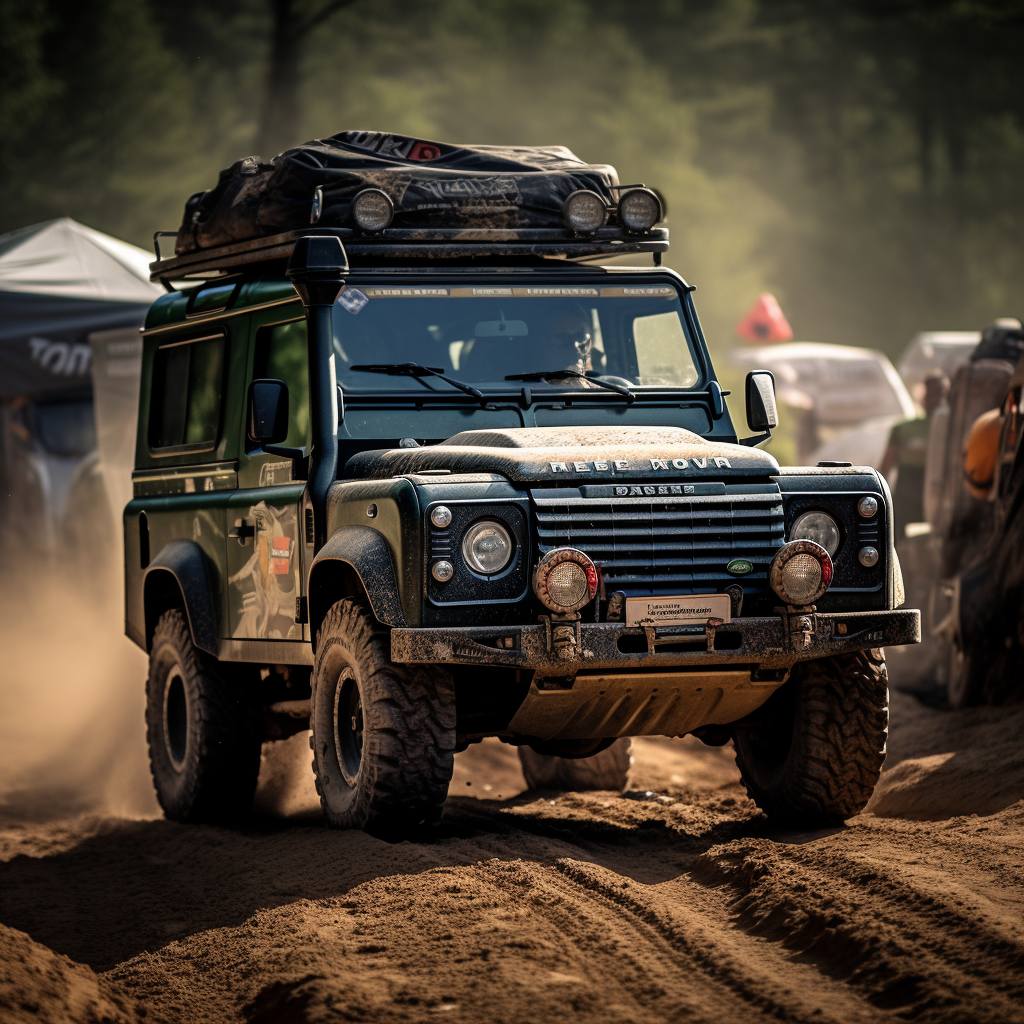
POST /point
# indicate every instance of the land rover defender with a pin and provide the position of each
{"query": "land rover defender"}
(408, 485)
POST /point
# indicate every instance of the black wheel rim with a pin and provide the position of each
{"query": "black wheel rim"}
(348, 726)
(175, 718)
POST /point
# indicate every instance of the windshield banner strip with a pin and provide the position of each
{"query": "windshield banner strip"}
(654, 291)
(536, 292)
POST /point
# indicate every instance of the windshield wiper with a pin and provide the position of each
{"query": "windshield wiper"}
(416, 371)
(619, 389)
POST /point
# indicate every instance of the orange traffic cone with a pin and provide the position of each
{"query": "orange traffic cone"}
(765, 321)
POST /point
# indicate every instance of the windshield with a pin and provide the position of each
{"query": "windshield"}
(627, 334)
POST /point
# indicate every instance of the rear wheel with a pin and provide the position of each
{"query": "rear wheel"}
(815, 751)
(383, 734)
(202, 728)
(607, 769)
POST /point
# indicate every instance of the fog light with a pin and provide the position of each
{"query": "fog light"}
(441, 516)
(372, 209)
(442, 571)
(565, 580)
(487, 547)
(639, 209)
(585, 212)
(801, 572)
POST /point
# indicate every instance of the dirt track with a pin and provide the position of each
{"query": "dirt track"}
(674, 901)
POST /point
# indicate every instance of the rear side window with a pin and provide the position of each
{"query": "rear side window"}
(281, 355)
(188, 378)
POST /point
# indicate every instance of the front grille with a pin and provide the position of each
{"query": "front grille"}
(667, 545)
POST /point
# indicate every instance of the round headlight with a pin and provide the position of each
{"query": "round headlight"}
(565, 580)
(801, 572)
(820, 528)
(585, 212)
(487, 547)
(372, 209)
(639, 209)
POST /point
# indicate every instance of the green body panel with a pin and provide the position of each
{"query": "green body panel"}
(396, 516)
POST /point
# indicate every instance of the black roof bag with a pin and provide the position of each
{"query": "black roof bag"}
(432, 185)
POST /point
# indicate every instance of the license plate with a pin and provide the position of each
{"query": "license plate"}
(678, 611)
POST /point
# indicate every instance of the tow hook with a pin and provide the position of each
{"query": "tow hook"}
(799, 625)
(564, 638)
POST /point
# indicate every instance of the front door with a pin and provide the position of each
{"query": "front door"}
(266, 571)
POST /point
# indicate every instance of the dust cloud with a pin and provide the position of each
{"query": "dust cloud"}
(72, 702)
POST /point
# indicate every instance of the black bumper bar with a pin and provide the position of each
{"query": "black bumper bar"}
(769, 642)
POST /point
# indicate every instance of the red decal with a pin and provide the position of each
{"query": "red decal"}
(281, 555)
(423, 151)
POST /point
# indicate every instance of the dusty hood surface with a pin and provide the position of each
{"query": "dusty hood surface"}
(579, 454)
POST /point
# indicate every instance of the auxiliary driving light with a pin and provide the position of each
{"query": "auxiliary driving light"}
(585, 211)
(639, 209)
(372, 209)
(565, 580)
(801, 572)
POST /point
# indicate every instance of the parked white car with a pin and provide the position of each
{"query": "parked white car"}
(845, 399)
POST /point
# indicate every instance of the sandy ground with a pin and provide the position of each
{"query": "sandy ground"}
(674, 901)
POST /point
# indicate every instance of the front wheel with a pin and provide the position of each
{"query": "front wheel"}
(383, 734)
(815, 750)
(607, 769)
(202, 728)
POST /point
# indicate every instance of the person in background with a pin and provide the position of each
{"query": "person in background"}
(904, 461)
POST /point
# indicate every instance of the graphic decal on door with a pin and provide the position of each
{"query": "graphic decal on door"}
(269, 582)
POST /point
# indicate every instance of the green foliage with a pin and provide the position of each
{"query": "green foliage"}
(860, 158)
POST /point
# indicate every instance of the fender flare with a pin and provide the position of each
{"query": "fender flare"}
(182, 565)
(366, 553)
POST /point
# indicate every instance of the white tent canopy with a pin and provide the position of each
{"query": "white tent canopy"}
(67, 259)
(60, 281)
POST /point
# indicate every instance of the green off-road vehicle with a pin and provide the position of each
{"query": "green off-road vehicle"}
(409, 486)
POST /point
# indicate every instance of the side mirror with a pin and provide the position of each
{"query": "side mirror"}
(762, 412)
(268, 411)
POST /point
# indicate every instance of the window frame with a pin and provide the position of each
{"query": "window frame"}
(198, 447)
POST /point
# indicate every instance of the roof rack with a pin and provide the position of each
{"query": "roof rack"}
(409, 243)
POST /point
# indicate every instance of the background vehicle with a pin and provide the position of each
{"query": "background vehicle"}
(976, 597)
(934, 350)
(475, 489)
(845, 399)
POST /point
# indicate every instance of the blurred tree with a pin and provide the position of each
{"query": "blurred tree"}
(859, 158)
(293, 25)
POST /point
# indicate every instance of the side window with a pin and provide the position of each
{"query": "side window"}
(188, 379)
(281, 355)
(662, 354)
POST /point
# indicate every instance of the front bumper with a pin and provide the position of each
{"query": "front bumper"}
(768, 642)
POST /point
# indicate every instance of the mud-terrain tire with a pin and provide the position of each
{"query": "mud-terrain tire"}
(383, 734)
(817, 749)
(607, 769)
(203, 730)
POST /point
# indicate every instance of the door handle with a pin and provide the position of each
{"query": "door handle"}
(241, 531)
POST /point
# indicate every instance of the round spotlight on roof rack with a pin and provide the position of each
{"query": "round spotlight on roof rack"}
(372, 210)
(565, 580)
(801, 572)
(585, 211)
(639, 209)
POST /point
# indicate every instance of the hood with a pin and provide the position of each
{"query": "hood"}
(578, 454)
